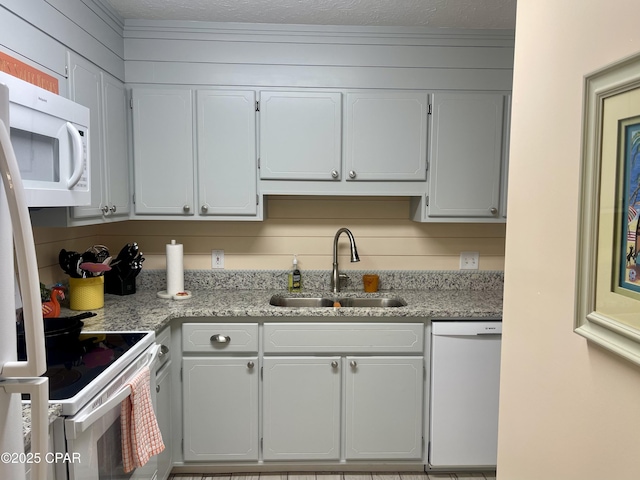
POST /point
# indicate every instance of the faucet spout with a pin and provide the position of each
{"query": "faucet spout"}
(335, 274)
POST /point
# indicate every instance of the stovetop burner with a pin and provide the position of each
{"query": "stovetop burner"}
(61, 377)
(72, 369)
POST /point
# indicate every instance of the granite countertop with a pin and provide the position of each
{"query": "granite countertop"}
(55, 409)
(145, 311)
(238, 295)
(229, 296)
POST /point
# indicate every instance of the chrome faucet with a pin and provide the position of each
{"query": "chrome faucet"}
(336, 276)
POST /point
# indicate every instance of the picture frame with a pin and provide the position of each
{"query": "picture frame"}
(607, 294)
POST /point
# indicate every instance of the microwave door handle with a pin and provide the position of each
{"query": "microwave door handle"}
(38, 389)
(36, 363)
(78, 162)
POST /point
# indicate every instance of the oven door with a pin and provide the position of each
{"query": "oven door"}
(94, 438)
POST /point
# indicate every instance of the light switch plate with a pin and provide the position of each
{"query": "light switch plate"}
(217, 258)
(469, 260)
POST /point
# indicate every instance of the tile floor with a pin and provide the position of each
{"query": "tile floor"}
(338, 476)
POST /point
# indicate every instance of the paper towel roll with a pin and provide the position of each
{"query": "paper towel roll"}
(175, 269)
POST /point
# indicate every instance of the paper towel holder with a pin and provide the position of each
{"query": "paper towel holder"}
(180, 294)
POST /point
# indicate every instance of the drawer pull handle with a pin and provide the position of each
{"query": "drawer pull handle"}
(157, 388)
(250, 365)
(217, 338)
(353, 363)
(334, 364)
(163, 351)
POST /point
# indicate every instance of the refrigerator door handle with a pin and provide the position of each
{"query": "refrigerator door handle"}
(38, 389)
(36, 363)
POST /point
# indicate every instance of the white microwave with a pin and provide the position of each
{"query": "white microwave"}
(50, 137)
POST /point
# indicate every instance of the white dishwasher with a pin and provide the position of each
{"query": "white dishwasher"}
(465, 380)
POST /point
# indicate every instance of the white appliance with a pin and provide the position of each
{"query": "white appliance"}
(90, 430)
(18, 377)
(50, 137)
(465, 382)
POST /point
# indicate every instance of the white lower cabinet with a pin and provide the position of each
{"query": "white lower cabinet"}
(163, 414)
(323, 403)
(303, 392)
(220, 408)
(220, 392)
(383, 413)
(383, 407)
(301, 408)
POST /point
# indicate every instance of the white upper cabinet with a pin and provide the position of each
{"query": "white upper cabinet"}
(467, 153)
(300, 135)
(85, 89)
(163, 151)
(386, 136)
(226, 149)
(105, 97)
(115, 147)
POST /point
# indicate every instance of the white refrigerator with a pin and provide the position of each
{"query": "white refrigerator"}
(17, 249)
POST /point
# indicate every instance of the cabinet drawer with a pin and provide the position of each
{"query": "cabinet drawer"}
(220, 337)
(343, 337)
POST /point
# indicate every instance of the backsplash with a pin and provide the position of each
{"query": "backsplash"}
(319, 280)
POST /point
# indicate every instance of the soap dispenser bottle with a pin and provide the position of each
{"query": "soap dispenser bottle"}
(295, 277)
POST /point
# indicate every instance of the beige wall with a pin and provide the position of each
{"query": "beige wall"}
(386, 238)
(569, 410)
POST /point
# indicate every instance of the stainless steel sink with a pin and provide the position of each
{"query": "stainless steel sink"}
(371, 302)
(353, 302)
(280, 301)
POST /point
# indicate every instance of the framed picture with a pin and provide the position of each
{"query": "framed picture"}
(608, 263)
(627, 225)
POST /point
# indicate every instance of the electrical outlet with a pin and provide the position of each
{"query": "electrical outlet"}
(217, 258)
(469, 260)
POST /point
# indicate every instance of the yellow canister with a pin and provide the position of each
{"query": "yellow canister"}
(86, 293)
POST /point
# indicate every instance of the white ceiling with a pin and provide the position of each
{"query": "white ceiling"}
(490, 14)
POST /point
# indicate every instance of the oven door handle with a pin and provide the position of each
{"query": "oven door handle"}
(81, 422)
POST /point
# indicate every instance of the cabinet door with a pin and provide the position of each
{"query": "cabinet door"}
(116, 155)
(220, 401)
(301, 418)
(386, 136)
(163, 414)
(466, 155)
(384, 407)
(163, 151)
(300, 135)
(86, 89)
(226, 131)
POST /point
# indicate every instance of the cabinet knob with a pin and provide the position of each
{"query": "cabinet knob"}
(493, 210)
(105, 209)
(113, 209)
(334, 364)
(335, 174)
(250, 365)
(157, 388)
(186, 208)
(163, 351)
(217, 338)
(353, 363)
(352, 174)
(204, 208)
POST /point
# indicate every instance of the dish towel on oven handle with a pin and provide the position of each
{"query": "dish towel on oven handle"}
(141, 437)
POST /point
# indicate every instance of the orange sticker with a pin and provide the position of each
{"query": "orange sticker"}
(25, 72)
